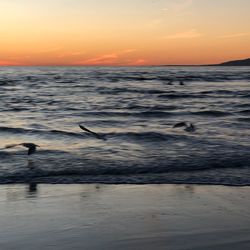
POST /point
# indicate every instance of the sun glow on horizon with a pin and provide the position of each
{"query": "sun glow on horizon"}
(118, 32)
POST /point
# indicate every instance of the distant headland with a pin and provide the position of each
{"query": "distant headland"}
(244, 62)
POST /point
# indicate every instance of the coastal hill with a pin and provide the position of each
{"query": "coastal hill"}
(245, 62)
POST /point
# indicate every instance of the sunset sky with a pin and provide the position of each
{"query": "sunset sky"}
(123, 32)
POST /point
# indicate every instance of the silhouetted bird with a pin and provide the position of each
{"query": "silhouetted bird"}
(31, 146)
(189, 127)
(98, 136)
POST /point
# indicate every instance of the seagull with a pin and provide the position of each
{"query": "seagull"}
(98, 136)
(189, 127)
(31, 146)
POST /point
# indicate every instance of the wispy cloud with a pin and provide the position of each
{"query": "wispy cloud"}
(235, 35)
(102, 59)
(137, 62)
(71, 54)
(127, 51)
(106, 59)
(172, 7)
(193, 33)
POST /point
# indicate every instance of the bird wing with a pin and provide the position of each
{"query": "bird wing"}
(180, 124)
(91, 132)
(12, 145)
(30, 146)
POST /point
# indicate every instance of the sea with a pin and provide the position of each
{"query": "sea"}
(134, 109)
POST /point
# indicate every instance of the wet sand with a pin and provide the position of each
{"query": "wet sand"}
(114, 217)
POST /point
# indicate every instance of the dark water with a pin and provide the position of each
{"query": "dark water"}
(135, 109)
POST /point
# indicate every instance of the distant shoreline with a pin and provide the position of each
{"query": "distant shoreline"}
(235, 63)
(117, 66)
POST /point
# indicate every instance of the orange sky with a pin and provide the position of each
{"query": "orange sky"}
(118, 32)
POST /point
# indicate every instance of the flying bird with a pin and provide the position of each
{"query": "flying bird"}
(31, 146)
(189, 127)
(98, 136)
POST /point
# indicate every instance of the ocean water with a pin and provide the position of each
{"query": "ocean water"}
(135, 108)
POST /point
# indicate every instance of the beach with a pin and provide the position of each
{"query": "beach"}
(160, 187)
(97, 216)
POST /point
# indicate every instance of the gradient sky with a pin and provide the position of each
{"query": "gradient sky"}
(123, 32)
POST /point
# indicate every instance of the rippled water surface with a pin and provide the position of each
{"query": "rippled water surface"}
(135, 108)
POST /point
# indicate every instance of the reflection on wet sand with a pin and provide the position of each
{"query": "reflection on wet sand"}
(21, 191)
(32, 190)
(124, 217)
(35, 190)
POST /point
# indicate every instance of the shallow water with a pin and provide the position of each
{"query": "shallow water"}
(135, 109)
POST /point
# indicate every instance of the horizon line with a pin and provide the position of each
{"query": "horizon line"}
(146, 65)
(117, 65)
